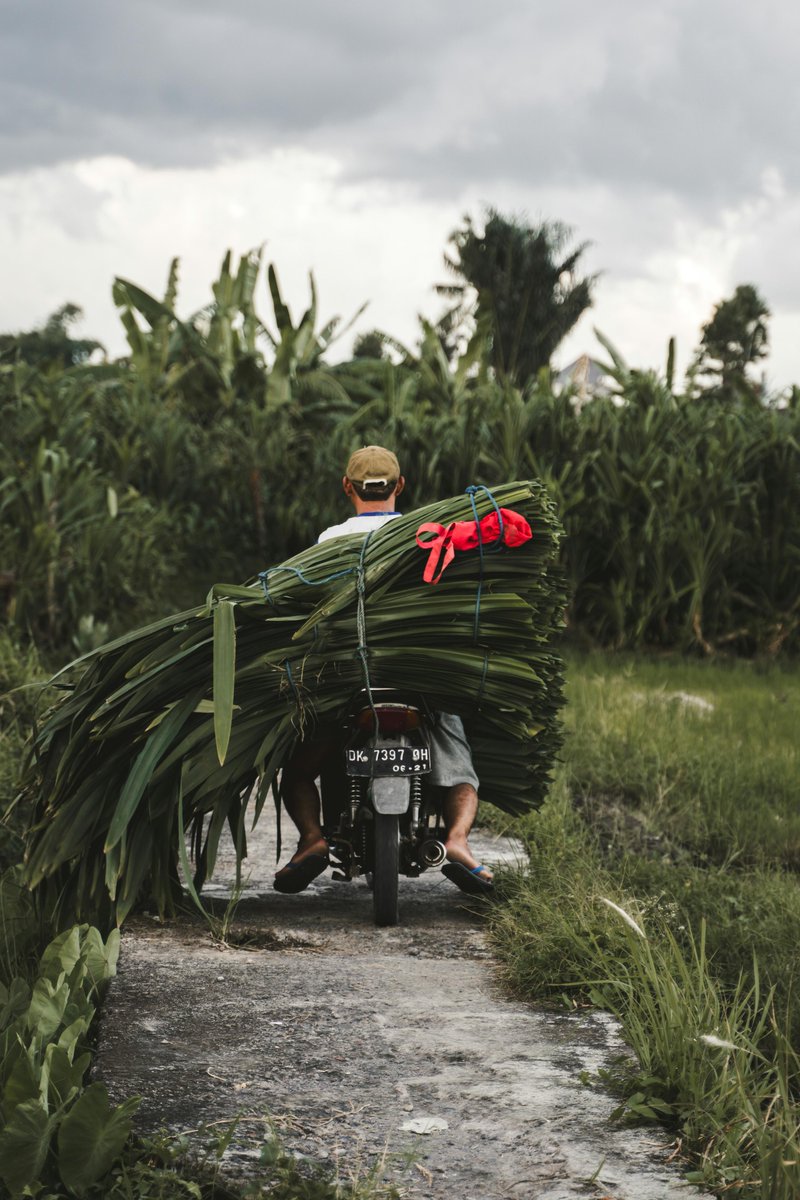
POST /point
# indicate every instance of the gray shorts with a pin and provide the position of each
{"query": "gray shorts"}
(452, 757)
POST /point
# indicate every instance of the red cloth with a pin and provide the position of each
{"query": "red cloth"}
(468, 535)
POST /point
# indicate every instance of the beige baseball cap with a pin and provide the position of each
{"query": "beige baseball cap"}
(373, 464)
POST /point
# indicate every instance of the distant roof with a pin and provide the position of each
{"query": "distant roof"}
(585, 374)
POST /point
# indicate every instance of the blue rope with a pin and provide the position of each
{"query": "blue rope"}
(472, 491)
(361, 620)
(264, 577)
(292, 684)
(361, 649)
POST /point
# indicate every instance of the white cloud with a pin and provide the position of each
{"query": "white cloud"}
(352, 138)
(66, 231)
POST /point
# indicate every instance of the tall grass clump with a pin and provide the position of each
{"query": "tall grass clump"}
(663, 886)
(680, 513)
(75, 543)
(712, 1060)
(21, 677)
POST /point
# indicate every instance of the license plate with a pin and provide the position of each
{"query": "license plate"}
(388, 760)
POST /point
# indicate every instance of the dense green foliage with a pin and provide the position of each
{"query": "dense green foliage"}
(55, 1129)
(76, 537)
(20, 684)
(216, 449)
(680, 517)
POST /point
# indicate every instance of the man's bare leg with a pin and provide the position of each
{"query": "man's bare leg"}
(302, 802)
(459, 810)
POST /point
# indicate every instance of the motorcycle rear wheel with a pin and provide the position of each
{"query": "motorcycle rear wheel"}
(386, 869)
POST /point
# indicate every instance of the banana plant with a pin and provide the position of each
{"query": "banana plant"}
(298, 371)
(211, 357)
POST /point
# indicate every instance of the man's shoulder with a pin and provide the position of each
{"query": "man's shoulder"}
(357, 524)
(335, 531)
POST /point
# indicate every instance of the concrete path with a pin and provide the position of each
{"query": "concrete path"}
(357, 1042)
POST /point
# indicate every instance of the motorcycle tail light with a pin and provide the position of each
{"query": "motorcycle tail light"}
(391, 718)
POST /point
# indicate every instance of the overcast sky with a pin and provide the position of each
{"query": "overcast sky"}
(351, 137)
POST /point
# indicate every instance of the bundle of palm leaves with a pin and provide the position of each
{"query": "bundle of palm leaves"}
(183, 726)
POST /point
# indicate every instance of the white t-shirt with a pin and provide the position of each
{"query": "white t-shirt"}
(361, 523)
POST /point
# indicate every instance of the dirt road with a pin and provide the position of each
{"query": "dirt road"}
(353, 1039)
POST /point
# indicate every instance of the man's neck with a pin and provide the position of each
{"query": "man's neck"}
(373, 506)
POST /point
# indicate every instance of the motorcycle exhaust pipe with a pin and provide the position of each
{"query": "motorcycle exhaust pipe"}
(432, 853)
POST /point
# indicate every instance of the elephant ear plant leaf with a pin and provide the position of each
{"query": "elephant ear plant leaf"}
(53, 1131)
(148, 750)
(24, 1144)
(92, 1136)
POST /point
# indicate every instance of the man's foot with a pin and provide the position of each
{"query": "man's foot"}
(464, 870)
(309, 861)
(458, 851)
(475, 882)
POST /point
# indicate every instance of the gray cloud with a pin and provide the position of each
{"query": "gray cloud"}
(687, 99)
(167, 81)
(696, 100)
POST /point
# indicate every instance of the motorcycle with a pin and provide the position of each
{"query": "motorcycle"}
(381, 817)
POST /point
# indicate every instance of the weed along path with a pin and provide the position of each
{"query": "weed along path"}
(356, 1041)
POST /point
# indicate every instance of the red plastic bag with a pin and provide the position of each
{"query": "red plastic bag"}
(468, 535)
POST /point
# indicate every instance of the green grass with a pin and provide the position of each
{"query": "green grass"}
(171, 1167)
(718, 783)
(684, 817)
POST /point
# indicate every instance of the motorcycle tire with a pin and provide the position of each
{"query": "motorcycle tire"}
(386, 869)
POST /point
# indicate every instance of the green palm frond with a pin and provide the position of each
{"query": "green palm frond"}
(172, 711)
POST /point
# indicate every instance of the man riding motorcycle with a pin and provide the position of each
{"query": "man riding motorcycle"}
(372, 482)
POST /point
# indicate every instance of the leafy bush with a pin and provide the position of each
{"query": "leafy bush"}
(53, 1128)
(21, 676)
(76, 545)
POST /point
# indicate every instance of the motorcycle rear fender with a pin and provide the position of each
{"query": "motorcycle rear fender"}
(391, 794)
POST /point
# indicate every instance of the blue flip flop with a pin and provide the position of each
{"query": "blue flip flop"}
(468, 879)
(300, 874)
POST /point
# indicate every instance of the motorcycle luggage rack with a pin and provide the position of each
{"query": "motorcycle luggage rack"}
(387, 699)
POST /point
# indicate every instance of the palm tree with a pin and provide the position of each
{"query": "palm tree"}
(520, 281)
